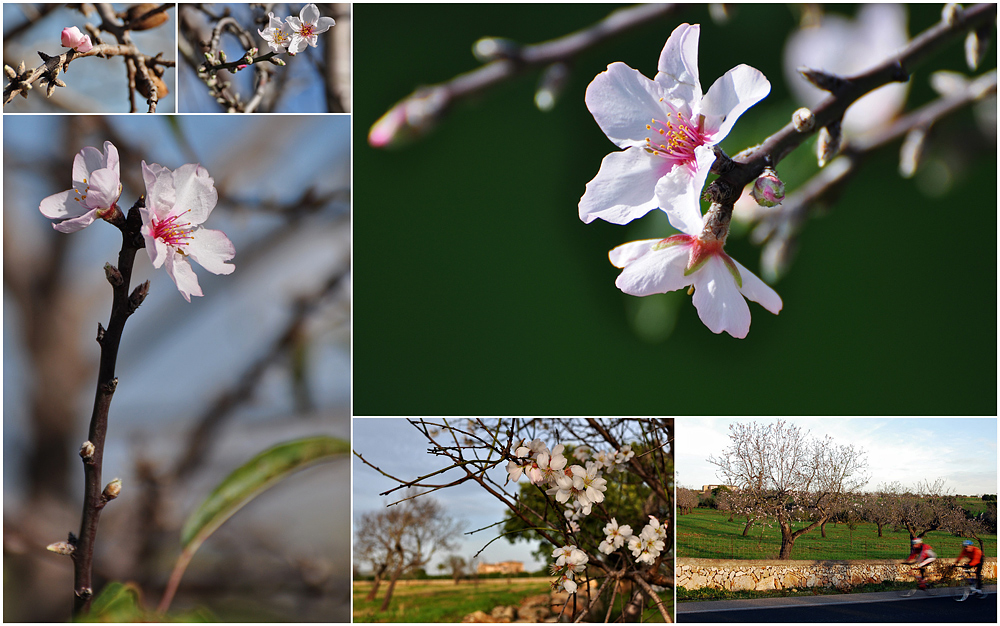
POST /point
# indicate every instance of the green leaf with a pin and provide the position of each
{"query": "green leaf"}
(117, 602)
(258, 474)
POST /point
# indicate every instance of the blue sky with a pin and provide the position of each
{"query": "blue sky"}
(399, 449)
(962, 451)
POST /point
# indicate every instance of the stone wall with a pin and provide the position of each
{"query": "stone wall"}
(746, 575)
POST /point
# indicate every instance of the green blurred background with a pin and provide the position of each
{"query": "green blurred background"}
(478, 290)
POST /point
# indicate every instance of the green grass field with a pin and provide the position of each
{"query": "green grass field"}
(706, 534)
(442, 600)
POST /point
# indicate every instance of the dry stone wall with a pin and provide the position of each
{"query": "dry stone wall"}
(744, 575)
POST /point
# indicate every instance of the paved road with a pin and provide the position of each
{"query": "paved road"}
(860, 607)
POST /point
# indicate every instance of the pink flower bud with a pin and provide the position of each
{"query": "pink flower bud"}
(768, 190)
(73, 38)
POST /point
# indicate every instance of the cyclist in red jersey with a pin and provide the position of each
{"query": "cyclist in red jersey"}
(975, 557)
(921, 555)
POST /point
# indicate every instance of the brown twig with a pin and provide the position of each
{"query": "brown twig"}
(92, 452)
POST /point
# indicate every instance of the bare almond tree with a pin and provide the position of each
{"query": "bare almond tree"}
(403, 538)
(784, 475)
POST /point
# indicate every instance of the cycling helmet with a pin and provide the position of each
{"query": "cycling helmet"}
(917, 541)
(967, 542)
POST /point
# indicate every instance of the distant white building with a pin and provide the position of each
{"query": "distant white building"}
(505, 567)
(706, 490)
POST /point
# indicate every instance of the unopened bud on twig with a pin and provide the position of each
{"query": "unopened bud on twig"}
(113, 275)
(20, 68)
(828, 144)
(278, 61)
(138, 295)
(911, 151)
(51, 89)
(768, 190)
(976, 44)
(410, 118)
(210, 57)
(87, 451)
(551, 86)
(492, 48)
(64, 548)
(222, 55)
(823, 80)
(949, 13)
(803, 120)
(9, 71)
(113, 489)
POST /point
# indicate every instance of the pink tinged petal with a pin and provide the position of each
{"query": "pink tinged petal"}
(757, 290)
(678, 193)
(211, 249)
(658, 271)
(60, 205)
(732, 94)
(627, 253)
(77, 223)
(156, 248)
(86, 161)
(623, 189)
(678, 64)
(111, 159)
(298, 44)
(719, 302)
(195, 192)
(623, 102)
(104, 189)
(183, 276)
(160, 192)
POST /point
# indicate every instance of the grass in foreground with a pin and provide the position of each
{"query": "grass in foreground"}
(442, 601)
(707, 534)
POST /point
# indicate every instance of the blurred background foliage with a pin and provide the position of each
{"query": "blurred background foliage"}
(262, 358)
(481, 292)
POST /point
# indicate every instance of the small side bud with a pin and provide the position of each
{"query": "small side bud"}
(911, 152)
(222, 55)
(51, 89)
(202, 70)
(113, 275)
(494, 48)
(20, 68)
(976, 44)
(59, 83)
(138, 295)
(64, 548)
(252, 52)
(87, 451)
(949, 14)
(551, 86)
(100, 332)
(210, 57)
(768, 190)
(278, 61)
(828, 144)
(803, 120)
(9, 71)
(823, 80)
(113, 489)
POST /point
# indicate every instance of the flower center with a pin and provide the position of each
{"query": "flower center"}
(173, 231)
(675, 138)
(279, 36)
(306, 30)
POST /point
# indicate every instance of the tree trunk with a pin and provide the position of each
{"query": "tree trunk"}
(378, 581)
(787, 543)
(746, 529)
(822, 530)
(392, 585)
(879, 529)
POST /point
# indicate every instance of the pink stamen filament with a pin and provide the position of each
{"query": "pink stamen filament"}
(674, 140)
(172, 231)
(306, 30)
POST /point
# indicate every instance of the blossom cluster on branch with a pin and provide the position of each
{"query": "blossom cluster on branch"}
(177, 203)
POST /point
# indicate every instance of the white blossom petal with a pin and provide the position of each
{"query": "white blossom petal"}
(657, 271)
(183, 276)
(195, 192)
(720, 304)
(211, 249)
(678, 64)
(729, 96)
(624, 188)
(678, 193)
(757, 290)
(623, 102)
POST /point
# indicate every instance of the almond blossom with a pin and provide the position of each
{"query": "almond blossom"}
(695, 259)
(305, 27)
(666, 128)
(277, 34)
(177, 204)
(96, 189)
(72, 38)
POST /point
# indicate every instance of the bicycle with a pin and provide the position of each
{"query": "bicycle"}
(969, 587)
(923, 584)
